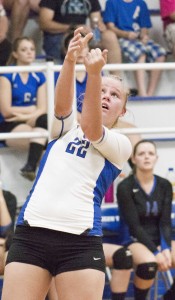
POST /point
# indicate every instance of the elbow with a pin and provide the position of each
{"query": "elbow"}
(43, 24)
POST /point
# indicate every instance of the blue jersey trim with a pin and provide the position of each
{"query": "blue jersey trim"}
(105, 179)
(20, 220)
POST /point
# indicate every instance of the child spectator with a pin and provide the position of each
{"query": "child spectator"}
(167, 10)
(130, 21)
(23, 104)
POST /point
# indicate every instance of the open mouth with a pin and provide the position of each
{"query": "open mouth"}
(105, 106)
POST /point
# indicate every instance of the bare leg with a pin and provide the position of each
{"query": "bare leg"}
(154, 77)
(5, 218)
(52, 294)
(2, 255)
(85, 284)
(141, 255)
(19, 143)
(24, 143)
(140, 78)
(120, 278)
(110, 42)
(19, 15)
(35, 282)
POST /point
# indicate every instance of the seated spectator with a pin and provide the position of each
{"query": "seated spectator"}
(57, 17)
(167, 10)
(23, 104)
(145, 202)
(130, 21)
(5, 45)
(19, 13)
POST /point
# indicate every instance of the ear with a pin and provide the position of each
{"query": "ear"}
(14, 54)
(123, 112)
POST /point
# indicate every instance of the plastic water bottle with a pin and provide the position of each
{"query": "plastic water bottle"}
(171, 177)
(96, 32)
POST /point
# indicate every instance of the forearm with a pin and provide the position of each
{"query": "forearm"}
(22, 110)
(120, 33)
(54, 27)
(91, 117)
(64, 90)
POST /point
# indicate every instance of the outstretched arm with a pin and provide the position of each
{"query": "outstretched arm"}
(64, 91)
(91, 118)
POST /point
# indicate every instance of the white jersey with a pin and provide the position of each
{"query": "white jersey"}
(73, 177)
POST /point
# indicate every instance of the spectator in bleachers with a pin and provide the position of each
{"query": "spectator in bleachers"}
(145, 202)
(167, 10)
(57, 17)
(19, 13)
(23, 104)
(5, 45)
(130, 21)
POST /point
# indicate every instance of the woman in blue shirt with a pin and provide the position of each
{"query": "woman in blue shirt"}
(23, 104)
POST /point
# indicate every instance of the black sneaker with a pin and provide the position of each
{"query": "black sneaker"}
(28, 172)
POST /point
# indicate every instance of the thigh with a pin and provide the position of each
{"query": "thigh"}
(141, 254)
(109, 250)
(24, 279)
(85, 284)
(154, 51)
(20, 143)
(132, 49)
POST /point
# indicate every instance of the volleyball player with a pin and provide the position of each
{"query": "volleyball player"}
(58, 231)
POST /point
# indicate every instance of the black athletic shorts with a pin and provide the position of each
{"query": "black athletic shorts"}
(56, 251)
(8, 126)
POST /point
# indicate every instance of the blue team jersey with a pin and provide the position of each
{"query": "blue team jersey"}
(73, 177)
(127, 16)
(24, 94)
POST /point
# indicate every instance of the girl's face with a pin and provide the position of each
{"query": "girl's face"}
(113, 100)
(25, 54)
(145, 157)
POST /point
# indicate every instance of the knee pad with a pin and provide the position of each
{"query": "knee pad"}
(147, 270)
(122, 259)
(42, 121)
